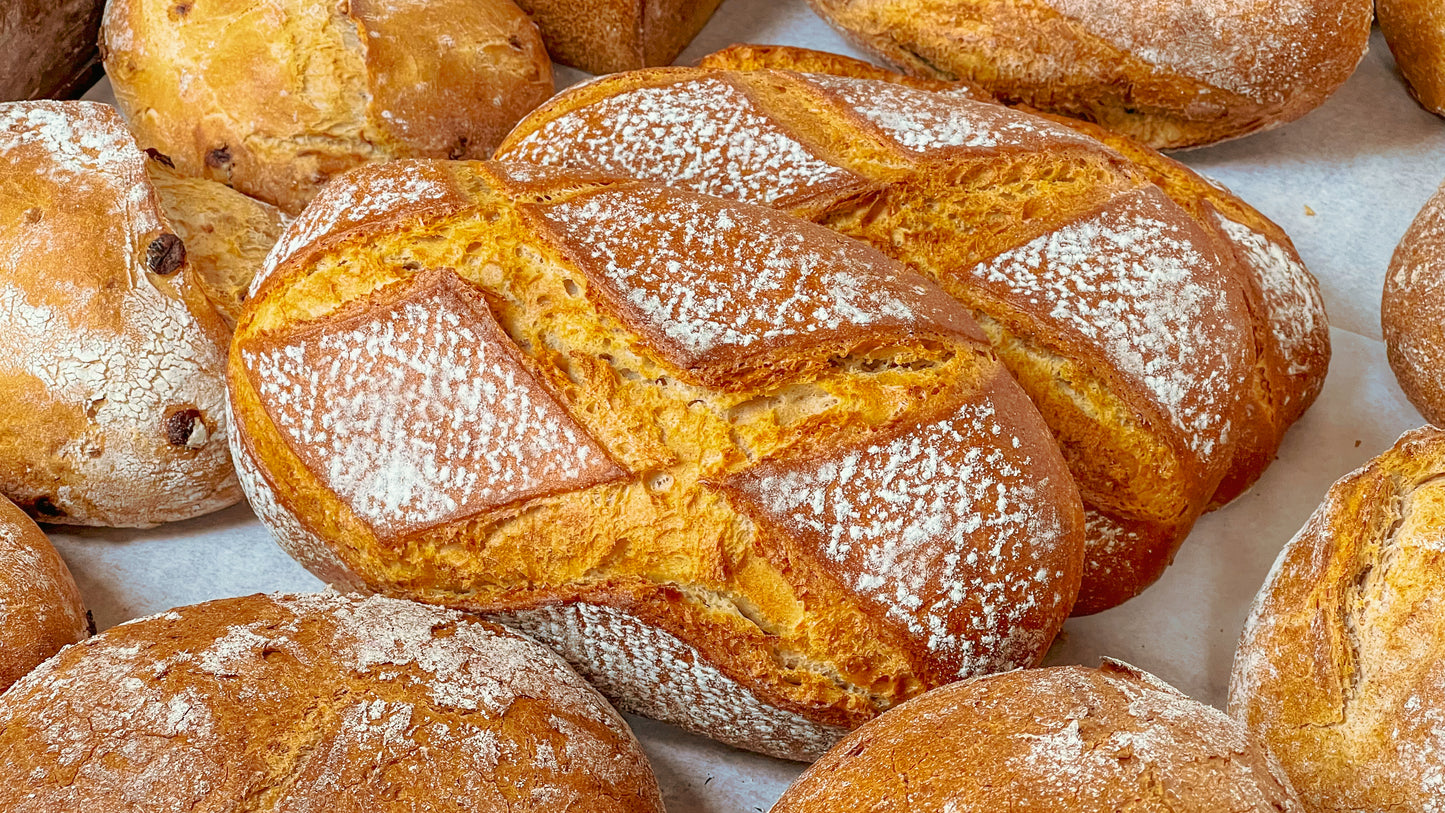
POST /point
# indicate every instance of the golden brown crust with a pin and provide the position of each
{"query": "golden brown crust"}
(606, 36)
(47, 48)
(110, 357)
(1339, 670)
(40, 607)
(620, 473)
(901, 165)
(1412, 308)
(1170, 74)
(1065, 739)
(1415, 31)
(315, 702)
(274, 98)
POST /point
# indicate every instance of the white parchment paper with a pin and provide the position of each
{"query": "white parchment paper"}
(1363, 164)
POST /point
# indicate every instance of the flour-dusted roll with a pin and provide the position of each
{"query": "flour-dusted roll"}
(1341, 668)
(747, 475)
(40, 607)
(1415, 30)
(1065, 739)
(1171, 73)
(1110, 303)
(275, 97)
(315, 702)
(112, 404)
(1291, 330)
(47, 48)
(1412, 311)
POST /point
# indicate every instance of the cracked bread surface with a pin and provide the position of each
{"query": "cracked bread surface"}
(622, 392)
(1060, 739)
(1124, 316)
(1339, 670)
(311, 702)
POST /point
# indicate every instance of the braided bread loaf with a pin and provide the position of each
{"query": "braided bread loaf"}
(1167, 346)
(745, 474)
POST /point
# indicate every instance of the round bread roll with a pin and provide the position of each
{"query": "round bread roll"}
(315, 702)
(273, 98)
(1170, 73)
(1065, 739)
(1137, 325)
(747, 475)
(1412, 311)
(1415, 30)
(111, 393)
(40, 608)
(1341, 669)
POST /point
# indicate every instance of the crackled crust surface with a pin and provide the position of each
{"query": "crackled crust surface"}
(1171, 73)
(1125, 317)
(312, 702)
(1339, 671)
(40, 608)
(275, 98)
(607, 396)
(1066, 739)
(110, 357)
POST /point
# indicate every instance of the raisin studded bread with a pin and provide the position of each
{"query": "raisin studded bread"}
(1127, 318)
(747, 475)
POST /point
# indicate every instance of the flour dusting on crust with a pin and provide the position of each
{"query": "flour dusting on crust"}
(1295, 309)
(704, 135)
(421, 412)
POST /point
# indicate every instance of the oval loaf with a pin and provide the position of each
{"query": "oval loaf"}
(1126, 318)
(1171, 73)
(1412, 311)
(111, 358)
(1415, 30)
(40, 607)
(747, 475)
(1341, 668)
(310, 703)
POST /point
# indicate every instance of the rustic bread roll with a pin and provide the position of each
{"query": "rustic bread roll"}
(40, 608)
(1415, 31)
(315, 702)
(47, 48)
(1108, 302)
(1172, 73)
(603, 36)
(226, 234)
(747, 475)
(1341, 669)
(276, 97)
(1291, 331)
(1412, 311)
(1066, 739)
(111, 398)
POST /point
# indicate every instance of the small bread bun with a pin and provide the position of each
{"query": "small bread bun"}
(112, 407)
(227, 235)
(40, 608)
(315, 703)
(1170, 73)
(1065, 739)
(1412, 311)
(1415, 30)
(276, 97)
(1341, 669)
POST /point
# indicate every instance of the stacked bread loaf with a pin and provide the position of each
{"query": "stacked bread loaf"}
(749, 475)
(1167, 331)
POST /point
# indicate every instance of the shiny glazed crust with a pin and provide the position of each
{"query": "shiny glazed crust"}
(274, 98)
(315, 702)
(1412, 311)
(1169, 73)
(1415, 30)
(1060, 740)
(1340, 670)
(112, 404)
(737, 468)
(40, 608)
(1080, 269)
(605, 36)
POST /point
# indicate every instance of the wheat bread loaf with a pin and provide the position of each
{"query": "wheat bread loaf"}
(40, 608)
(1412, 311)
(1415, 31)
(604, 36)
